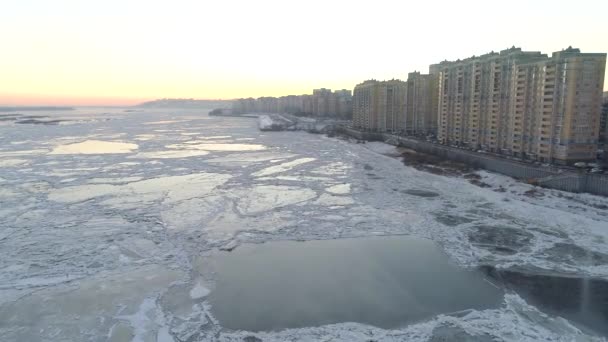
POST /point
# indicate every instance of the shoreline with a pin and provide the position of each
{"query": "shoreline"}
(553, 177)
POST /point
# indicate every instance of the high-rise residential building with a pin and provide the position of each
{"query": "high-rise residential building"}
(344, 103)
(290, 104)
(396, 106)
(268, 104)
(321, 101)
(523, 103)
(421, 107)
(307, 106)
(604, 122)
(380, 106)
(243, 106)
(365, 108)
(473, 96)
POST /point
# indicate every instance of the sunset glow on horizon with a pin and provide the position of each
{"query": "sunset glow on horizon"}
(70, 52)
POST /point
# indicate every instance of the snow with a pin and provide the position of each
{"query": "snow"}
(340, 189)
(282, 167)
(12, 162)
(164, 122)
(114, 180)
(219, 147)
(267, 197)
(172, 189)
(21, 153)
(145, 137)
(97, 244)
(171, 154)
(516, 321)
(265, 122)
(95, 147)
(249, 158)
(329, 200)
(199, 291)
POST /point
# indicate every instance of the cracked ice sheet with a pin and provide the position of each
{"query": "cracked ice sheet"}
(171, 154)
(267, 197)
(249, 158)
(88, 308)
(114, 180)
(12, 162)
(195, 213)
(171, 188)
(282, 167)
(339, 189)
(219, 147)
(331, 200)
(95, 147)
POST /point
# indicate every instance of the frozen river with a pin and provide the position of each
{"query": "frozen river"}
(110, 225)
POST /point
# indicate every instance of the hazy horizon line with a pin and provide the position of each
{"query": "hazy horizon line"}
(92, 102)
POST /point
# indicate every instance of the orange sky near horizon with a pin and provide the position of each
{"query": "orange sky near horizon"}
(124, 52)
(38, 100)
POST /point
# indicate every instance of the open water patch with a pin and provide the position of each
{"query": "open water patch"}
(582, 300)
(387, 282)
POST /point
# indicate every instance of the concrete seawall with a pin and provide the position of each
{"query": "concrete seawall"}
(549, 177)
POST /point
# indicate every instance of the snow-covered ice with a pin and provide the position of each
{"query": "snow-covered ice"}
(95, 147)
(171, 154)
(219, 147)
(282, 167)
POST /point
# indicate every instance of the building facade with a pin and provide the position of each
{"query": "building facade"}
(421, 104)
(380, 105)
(343, 104)
(322, 103)
(604, 123)
(524, 104)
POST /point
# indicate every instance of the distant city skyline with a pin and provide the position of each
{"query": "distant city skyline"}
(69, 52)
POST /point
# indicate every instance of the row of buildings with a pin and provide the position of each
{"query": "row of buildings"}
(519, 103)
(396, 106)
(322, 103)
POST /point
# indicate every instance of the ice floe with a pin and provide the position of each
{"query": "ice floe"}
(95, 147)
(219, 147)
(282, 167)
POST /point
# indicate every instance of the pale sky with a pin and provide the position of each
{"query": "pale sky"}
(125, 51)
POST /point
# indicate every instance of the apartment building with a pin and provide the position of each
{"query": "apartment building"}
(242, 106)
(397, 106)
(603, 137)
(290, 104)
(322, 103)
(344, 103)
(421, 104)
(524, 104)
(380, 105)
(268, 104)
